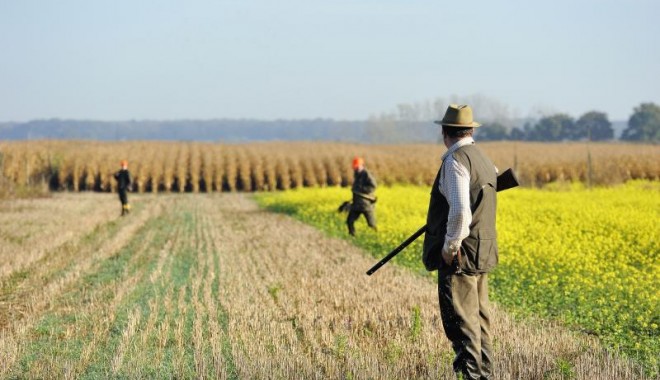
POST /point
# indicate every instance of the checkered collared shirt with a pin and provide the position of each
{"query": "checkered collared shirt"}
(454, 185)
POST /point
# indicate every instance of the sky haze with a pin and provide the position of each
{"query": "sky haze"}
(204, 59)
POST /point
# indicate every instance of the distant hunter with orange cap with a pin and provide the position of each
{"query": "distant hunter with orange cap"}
(124, 181)
(364, 199)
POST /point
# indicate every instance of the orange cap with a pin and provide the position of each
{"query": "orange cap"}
(357, 162)
(123, 163)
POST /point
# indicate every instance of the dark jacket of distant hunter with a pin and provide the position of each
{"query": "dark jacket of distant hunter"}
(364, 186)
(124, 179)
(479, 249)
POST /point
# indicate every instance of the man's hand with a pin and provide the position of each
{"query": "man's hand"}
(448, 254)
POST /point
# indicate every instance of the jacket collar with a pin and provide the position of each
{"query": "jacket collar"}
(459, 144)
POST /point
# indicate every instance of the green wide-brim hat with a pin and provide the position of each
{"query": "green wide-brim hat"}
(458, 116)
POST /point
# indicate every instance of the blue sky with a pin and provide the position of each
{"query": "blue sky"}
(202, 59)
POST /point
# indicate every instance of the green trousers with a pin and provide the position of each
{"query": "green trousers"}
(353, 215)
(466, 320)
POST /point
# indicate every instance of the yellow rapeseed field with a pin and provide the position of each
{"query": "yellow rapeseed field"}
(585, 257)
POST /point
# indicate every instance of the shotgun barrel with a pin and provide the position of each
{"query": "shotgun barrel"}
(505, 181)
(396, 250)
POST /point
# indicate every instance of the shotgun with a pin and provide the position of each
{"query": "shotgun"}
(505, 181)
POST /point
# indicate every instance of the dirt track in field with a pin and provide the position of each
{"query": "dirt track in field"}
(261, 296)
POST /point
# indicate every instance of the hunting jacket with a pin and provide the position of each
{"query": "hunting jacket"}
(364, 186)
(124, 179)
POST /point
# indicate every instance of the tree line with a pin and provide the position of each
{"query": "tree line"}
(214, 130)
(643, 126)
(409, 123)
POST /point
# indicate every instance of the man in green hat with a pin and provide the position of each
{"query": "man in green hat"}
(460, 242)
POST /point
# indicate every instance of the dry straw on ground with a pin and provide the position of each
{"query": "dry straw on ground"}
(209, 286)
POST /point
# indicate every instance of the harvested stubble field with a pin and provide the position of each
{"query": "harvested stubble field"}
(210, 286)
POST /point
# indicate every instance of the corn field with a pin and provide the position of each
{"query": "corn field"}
(216, 167)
